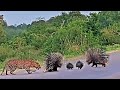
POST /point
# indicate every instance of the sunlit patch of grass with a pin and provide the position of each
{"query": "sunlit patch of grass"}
(113, 47)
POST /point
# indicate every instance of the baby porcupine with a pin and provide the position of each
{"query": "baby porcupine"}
(79, 64)
(69, 66)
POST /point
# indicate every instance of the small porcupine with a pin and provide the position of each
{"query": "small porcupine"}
(79, 64)
(53, 61)
(69, 66)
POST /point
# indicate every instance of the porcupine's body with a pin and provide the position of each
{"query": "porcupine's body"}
(69, 66)
(53, 61)
(95, 56)
(79, 64)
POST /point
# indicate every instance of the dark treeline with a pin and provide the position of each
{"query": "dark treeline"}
(69, 33)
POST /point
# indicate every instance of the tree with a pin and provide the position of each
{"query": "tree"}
(2, 33)
(111, 34)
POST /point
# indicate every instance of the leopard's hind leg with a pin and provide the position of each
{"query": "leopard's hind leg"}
(28, 70)
(12, 70)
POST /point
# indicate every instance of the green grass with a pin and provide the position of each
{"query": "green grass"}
(113, 47)
(108, 49)
(73, 54)
(1, 66)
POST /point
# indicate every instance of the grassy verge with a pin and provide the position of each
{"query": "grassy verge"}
(112, 48)
(109, 49)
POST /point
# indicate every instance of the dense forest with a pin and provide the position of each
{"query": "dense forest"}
(69, 33)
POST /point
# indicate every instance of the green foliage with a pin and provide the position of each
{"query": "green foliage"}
(111, 34)
(17, 42)
(5, 52)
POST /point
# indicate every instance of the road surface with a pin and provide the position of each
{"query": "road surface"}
(111, 71)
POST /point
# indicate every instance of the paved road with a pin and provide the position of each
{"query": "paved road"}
(112, 71)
